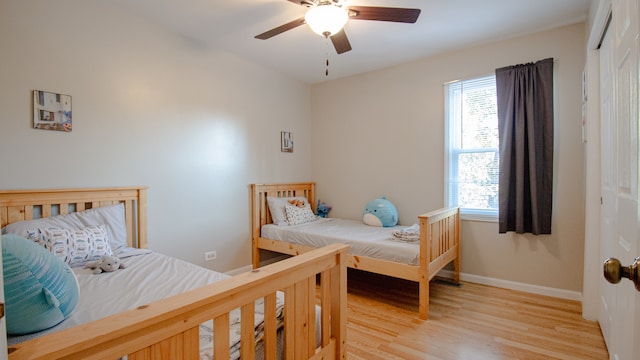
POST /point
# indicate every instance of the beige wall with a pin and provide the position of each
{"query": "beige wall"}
(149, 108)
(382, 133)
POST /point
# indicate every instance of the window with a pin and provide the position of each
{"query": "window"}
(471, 152)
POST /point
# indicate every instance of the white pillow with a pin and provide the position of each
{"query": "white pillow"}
(75, 247)
(110, 216)
(299, 215)
(276, 208)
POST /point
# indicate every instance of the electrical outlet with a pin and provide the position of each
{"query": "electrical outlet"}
(210, 255)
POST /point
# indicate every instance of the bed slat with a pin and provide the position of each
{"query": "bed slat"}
(180, 346)
(289, 322)
(128, 210)
(144, 354)
(142, 220)
(4, 216)
(325, 303)
(270, 325)
(46, 210)
(192, 343)
(301, 327)
(17, 213)
(247, 336)
(221, 340)
(311, 315)
(338, 286)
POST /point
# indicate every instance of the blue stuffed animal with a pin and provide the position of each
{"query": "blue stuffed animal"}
(322, 209)
(380, 212)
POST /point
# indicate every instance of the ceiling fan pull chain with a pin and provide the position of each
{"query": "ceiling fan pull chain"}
(326, 42)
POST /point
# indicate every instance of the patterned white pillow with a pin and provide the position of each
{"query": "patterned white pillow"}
(299, 215)
(112, 217)
(76, 247)
(276, 208)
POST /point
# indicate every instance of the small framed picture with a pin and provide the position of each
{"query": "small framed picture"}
(286, 142)
(51, 111)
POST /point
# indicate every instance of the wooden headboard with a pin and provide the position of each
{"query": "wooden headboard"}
(259, 193)
(260, 210)
(19, 205)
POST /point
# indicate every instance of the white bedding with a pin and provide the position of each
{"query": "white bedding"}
(370, 241)
(135, 288)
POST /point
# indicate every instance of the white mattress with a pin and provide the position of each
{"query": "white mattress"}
(370, 241)
(136, 287)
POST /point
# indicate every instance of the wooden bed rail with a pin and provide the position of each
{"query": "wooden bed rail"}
(168, 329)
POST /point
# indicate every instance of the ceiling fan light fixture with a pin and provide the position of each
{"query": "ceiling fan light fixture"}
(326, 19)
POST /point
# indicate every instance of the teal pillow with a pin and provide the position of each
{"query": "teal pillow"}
(40, 290)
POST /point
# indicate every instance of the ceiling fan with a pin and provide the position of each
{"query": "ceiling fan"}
(328, 17)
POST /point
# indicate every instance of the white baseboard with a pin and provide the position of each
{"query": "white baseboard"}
(244, 269)
(505, 284)
(512, 285)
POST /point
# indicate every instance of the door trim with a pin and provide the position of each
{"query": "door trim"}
(592, 262)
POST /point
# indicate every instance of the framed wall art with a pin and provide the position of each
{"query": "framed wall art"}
(286, 142)
(51, 111)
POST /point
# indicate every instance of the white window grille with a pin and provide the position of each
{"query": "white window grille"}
(471, 141)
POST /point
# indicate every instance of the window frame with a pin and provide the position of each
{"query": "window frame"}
(452, 151)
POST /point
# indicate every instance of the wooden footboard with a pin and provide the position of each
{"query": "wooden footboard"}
(439, 246)
(439, 241)
(168, 329)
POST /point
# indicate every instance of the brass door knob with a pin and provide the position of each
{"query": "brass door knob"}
(614, 271)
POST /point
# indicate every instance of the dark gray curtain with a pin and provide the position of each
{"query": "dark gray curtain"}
(525, 127)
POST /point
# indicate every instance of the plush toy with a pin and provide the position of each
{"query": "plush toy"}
(380, 212)
(322, 209)
(296, 202)
(40, 289)
(106, 264)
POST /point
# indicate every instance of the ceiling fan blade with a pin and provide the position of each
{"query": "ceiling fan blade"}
(299, 2)
(384, 14)
(341, 42)
(280, 29)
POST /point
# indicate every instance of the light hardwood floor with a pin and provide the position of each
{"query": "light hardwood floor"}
(467, 322)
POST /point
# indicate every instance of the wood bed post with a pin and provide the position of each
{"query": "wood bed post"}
(142, 218)
(256, 225)
(425, 258)
(339, 305)
(456, 261)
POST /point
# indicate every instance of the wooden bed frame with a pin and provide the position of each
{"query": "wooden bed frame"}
(168, 329)
(439, 240)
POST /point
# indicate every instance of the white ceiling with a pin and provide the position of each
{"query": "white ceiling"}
(443, 25)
